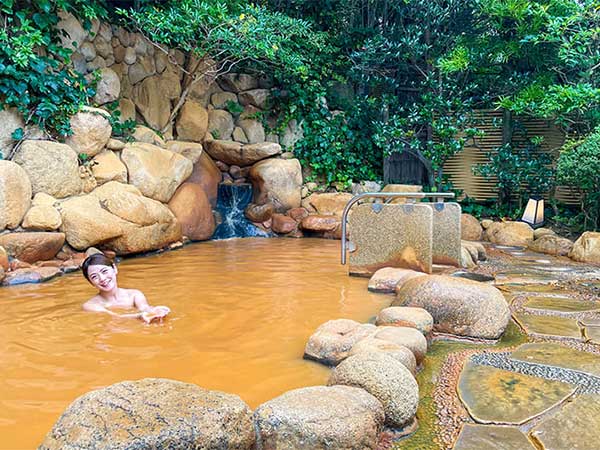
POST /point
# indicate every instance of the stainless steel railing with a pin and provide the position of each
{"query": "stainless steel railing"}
(388, 196)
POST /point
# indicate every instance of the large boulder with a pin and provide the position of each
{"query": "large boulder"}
(153, 413)
(52, 168)
(329, 204)
(108, 87)
(148, 135)
(190, 150)
(147, 224)
(191, 207)
(409, 337)
(470, 228)
(552, 244)
(42, 218)
(458, 306)
(333, 340)
(386, 379)
(241, 155)
(321, 224)
(399, 352)
(15, 194)
(32, 247)
(277, 181)
(86, 223)
(320, 417)
(74, 34)
(387, 279)
(207, 175)
(253, 131)
(405, 316)
(237, 82)
(476, 250)
(157, 173)
(510, 233)
(259, 213)
(220, 124)
(192, 123)
(91, 131)
(255, 97)
(587, 248)
(109, 167)
(153, 105)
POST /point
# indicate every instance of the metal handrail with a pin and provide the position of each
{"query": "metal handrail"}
(440, 196)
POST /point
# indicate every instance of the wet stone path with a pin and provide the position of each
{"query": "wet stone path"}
(544, 394)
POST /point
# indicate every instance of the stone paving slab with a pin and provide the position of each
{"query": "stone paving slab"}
(558, 355)
(575, 426)
(564, 304)
(549, 326)
(491, 437)
(499, 396)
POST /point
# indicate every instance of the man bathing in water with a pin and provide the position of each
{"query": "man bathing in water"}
(101, 272)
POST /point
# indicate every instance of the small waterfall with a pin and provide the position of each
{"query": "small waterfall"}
(232, 199)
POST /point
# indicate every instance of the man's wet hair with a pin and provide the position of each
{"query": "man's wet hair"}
(97, 259)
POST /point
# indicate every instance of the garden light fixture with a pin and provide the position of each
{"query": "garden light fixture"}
(534, 212)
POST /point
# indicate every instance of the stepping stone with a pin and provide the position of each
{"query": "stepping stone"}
(575, 426)
(499, 396)
(561, 304)
(536, 289)
(559, 356)
(490, 437)
(549, 325)
(593, 334)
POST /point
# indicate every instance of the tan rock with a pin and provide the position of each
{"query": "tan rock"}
(153, 105)
(231, 152)
(3, 259)
(255, 97)
(207, 175)
(466, 259)
(148, 136)
(157, 173)
(239, 135)
(42, 218)
(127, 202)
(91, 131)
(32, 247)
(52, 167)
(139, 239)
(220, 124)
(15, 194)
(475, 249)
(458, 306)
(332, 341)
(220, 100)
(74, 32)
(108, 87)
(298, 213)
(400, 353)
(587, 248)
(510, 233)
(552, 244)
(330, 204)
(318, 223)
(193, 210)
(141, 69)
(405, 316)
(409, 337)
(192, 123)
(115, 144)
(283, 224)
(485, 223)
(254, 130)
(86, 223)
(539, 232)
(43, 199)
(385, 379)
(10, 120)
(237, 82)
(470, 228)
(386, 280)
(109, 167)
(153, 413)
(277, 181)
(320, 417)
(127, 109)
(190, 150)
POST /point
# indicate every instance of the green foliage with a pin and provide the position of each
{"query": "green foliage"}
(234, 108)
(518, 173)
(34, 73)
(579, 166)
(120, 128)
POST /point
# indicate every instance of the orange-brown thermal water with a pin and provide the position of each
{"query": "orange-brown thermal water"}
(242, 311)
